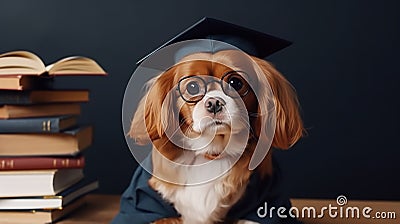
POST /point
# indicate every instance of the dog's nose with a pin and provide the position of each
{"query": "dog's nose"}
(214, 104)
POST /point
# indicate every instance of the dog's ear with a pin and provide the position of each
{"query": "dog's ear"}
(155, 112)
(289, 126)
(138, 130)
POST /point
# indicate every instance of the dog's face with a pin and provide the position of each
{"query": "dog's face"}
(209, 101)
(213, 102)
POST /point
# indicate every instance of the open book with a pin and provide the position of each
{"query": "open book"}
(27, 63)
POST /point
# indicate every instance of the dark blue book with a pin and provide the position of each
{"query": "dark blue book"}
(15, 97)
(37, 125)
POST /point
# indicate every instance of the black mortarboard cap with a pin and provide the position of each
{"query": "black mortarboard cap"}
(250, 41)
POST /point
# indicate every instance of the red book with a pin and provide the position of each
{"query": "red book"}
(40, 163)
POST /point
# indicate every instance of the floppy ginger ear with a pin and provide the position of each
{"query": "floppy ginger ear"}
(155, 111)
(138, 130)
(289, 125)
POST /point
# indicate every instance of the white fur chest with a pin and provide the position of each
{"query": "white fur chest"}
(197, 204)
(203, 197)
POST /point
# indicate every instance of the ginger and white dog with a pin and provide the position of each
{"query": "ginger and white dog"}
(204, 120)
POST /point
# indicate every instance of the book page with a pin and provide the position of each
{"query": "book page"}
(75, 65)
(21, 63)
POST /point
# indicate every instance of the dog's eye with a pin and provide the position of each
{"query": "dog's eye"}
(193, 88)
(235, 83)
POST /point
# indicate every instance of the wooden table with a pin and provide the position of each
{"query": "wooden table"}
(102, 209)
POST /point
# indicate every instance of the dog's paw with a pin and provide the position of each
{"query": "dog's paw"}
(246, 222)
(168, 221)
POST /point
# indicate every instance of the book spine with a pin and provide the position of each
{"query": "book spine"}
(30, 125)
(40, 163)
(14, 97)
(34, 82)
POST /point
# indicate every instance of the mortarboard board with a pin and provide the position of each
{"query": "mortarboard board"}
(250, 41)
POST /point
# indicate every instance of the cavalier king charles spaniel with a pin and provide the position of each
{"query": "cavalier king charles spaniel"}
(203, 118)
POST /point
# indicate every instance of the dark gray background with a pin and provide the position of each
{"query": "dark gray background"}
(344, 64)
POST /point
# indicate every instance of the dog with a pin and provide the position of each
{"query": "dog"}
(214, 106)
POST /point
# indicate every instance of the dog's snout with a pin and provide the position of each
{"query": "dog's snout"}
(214, 104)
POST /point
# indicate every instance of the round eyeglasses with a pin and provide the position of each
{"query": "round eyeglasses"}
(193, 88)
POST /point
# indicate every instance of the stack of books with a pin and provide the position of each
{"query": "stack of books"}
(41, 142)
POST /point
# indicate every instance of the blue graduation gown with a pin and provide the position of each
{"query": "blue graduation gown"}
(140, 204)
